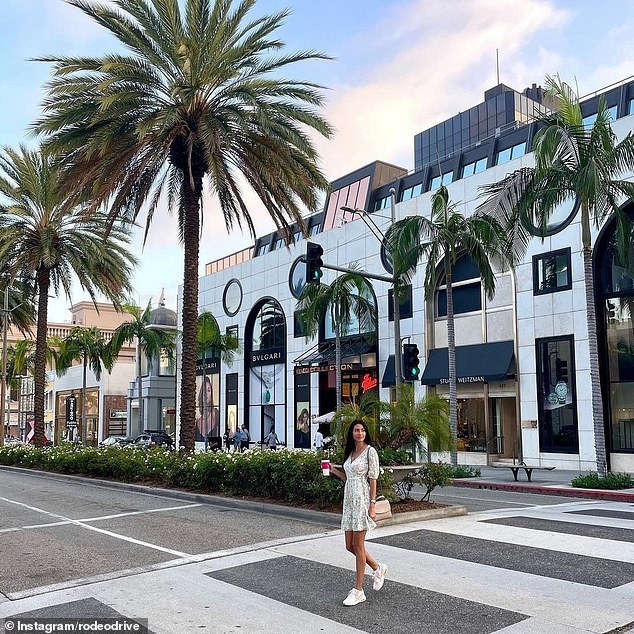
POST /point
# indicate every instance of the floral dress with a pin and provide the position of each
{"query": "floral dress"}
(356, 495)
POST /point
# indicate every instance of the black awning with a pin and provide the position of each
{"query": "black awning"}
(389, 374)
(324, 353)
(478, 363)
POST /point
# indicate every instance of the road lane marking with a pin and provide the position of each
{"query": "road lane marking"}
(99, 518)
(131, 540)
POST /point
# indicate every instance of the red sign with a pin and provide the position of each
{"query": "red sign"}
(368, 382)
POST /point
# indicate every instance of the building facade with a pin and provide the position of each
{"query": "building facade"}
(522, 358)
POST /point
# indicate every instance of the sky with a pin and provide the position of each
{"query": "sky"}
(398, 68)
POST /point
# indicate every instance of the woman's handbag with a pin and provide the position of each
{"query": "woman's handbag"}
(382, 509)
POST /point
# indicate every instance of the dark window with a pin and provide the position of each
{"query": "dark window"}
(466, 299)
(552, 272)
(405, 310)
(556, 395)
(262, 249)
(298, 328)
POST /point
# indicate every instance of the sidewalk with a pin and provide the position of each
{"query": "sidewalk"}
(555, 482)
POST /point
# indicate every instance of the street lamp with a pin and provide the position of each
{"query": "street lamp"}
(3, 385)
(397, 317)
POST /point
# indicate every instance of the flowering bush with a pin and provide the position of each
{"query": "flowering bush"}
(290, 476)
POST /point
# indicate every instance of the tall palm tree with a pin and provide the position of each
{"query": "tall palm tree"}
(199, 97)
(149, 339)
(89, 346)
(47, 236)
(348, 298)
(572, 159)
(440, 241)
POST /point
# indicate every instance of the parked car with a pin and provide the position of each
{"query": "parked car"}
(116, 441)
(151, 439)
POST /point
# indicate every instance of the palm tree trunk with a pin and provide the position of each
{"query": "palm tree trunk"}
(84, 416)
(338, 367)
(39, 372)
(451, 359)
(595, 379)
(189, 314)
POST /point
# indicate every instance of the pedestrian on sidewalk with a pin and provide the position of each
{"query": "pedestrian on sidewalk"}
(245, 438)
(271, 440)
(319, 441)
(360, 473)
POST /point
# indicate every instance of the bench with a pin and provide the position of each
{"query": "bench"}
(515, 468)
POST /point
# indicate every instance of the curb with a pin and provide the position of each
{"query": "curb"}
(429, 514)
(595, 494)
(266, 508)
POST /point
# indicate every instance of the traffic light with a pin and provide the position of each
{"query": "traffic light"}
(411, 369)
(314, 263)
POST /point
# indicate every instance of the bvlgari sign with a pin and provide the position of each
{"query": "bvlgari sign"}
(267, 357)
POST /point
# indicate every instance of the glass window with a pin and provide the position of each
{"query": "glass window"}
(552, 272)
(297, 277)
(518, 150)
(269, 330)
(471, 431)
(560, 217)
(315, 229)
(556, 390)
(262, 249)
(412, 192)
(474, 168)
(434, 184)
(298, 235)
(466, 299)
(446, 178)
(355, 327)
(167, 364)
(630, 106)
(279, 243)
(405, 310)
(588, 120)
(503, 156)
(232, 297)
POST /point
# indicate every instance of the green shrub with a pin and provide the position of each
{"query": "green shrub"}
(430, 476)
(612, 481)
(290, 476)
(463, 471)
(392, 457)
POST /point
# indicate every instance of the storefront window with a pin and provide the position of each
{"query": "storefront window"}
(471, 425)
(557, 399)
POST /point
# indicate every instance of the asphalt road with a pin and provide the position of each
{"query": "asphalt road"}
(519, 563)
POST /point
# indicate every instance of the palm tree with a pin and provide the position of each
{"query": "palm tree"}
(200, 97)
(149, 339)
(572, 160)
(408, 420)
(348, 298)
(441, 241)
(210, 339)
(89, 346)
(53, 241)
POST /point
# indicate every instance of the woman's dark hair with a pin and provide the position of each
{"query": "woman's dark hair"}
(202, 395)
(349, 446)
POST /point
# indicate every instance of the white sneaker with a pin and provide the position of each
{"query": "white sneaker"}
(379, 577)
(354, 597)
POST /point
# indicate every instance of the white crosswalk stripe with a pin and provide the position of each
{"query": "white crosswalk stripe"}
(501, 578)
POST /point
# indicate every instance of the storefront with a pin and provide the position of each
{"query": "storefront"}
(487, 399)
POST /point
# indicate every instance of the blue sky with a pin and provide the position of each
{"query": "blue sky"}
(400, 66)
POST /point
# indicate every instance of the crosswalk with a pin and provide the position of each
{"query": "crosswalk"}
(559, 569)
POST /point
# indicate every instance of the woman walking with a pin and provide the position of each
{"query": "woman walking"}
(360, 473)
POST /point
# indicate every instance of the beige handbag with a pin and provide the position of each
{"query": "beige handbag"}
(382, 509)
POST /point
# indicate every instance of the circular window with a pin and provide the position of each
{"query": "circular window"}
(386, 259)
(560, 218)
(232, 297)
(297, 277)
